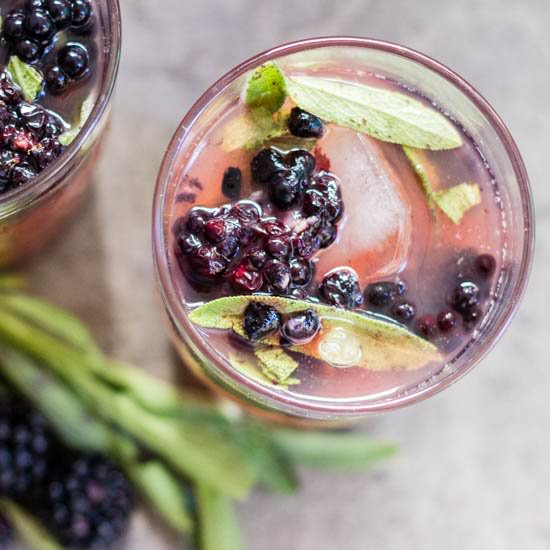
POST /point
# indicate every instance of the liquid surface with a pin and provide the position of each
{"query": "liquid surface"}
(387, 234)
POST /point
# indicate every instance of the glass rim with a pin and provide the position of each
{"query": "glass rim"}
(24, 196)
(286, 402)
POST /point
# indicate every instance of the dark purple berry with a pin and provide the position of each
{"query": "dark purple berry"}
(314, 203)
(60, 11)
(301, 272)
(81, 13)
(327, 235)
(381, 294)
(284, 189)
(206, 265)
(257, 257)
(22, 173)
(301, 160)
(472, 316)
(189, 244)
(301, 327)
(278, 247)
(304, 124)
(246, 212)
(28, 50)
(260, 320)
(13, 28)
(266, 164)
(341, 288)
(486, 265)
(447, 321)
(56, 80)
(39, 25)
(465, 296)
(33, 116)
(228, 247)
(215, 230)
(9, 93)
(277, 275)
(427, 326)
(232, 182)
(403, 312)
(246, 278)
(196, 219)
(74, 60)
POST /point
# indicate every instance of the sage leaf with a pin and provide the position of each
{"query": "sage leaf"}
(386, 115)
(31, 532)
(67, 137)
(332, 450)
(455, 201)
(277, 365)
(25, 77)
(384, 345)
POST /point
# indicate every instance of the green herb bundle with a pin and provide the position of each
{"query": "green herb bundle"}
(97, 404)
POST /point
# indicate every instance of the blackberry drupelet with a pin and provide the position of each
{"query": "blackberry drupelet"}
(87, 502)
(25, 449)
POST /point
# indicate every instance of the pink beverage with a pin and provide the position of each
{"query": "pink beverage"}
(358, 248)
(58, 65)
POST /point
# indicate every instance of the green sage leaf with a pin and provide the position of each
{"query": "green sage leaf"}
(266, 88)
(26, 77)
(66, 138)
(386, 115)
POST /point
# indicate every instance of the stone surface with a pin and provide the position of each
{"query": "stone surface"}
(473, 469)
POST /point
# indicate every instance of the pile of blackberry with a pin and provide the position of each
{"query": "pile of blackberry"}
(84, 501)
(29, 137)
(31, 31)
(237, 243)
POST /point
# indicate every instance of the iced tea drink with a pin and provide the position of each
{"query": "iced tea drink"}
(342, 226)
(58, 64)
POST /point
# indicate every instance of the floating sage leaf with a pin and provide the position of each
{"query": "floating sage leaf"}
(386, 115)
(383, 345)
(455, 201)
(66, 138)
(253, 369)
(26, 77)
(277, 365)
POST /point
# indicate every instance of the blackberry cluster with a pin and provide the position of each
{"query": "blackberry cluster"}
(341, 288)
(237, 243)
(29, 137)
(31, 31)
(87, 502)
(25, 449)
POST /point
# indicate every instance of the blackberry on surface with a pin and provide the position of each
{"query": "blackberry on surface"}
(260, 320)
(341, 288)
(87, 502)
(25, 449)
(300, 328)
(304, 124)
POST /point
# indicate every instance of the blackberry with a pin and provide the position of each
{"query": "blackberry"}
(341, 288)
(25, 449)
(304, 124)
(260, 320)
(13, 28)
(39, 26)
(60, 11)
(284, 189)
(6, 534)
(446, 321)
(465, 296)
(381, 294)
(73, 60)
(301, 160)
(246, 278)
(472, 316)
(427, 326)
(56, 79)
(266, 164)
(87, 502)
(277, 276)
(404, 312)
(231, 183)
(485, 265)
(81, 13)
(301, 327)
(28, 50)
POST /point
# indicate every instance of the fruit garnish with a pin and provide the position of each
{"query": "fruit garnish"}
(26, 77)
(455, 201)
(266, 88)
(386, 115)
(385, 345)
(85, 110)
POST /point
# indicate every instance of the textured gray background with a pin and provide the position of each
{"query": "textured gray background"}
(474, 468)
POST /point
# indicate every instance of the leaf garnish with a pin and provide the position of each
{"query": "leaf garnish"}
(267, 369)
(384, 345)
(66, 138)
(455, 201)
(25, 77)
(386, 115)
(266, 88)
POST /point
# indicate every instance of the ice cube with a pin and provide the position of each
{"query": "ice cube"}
(375, 233)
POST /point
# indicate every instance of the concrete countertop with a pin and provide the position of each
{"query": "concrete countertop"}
(473, 470)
